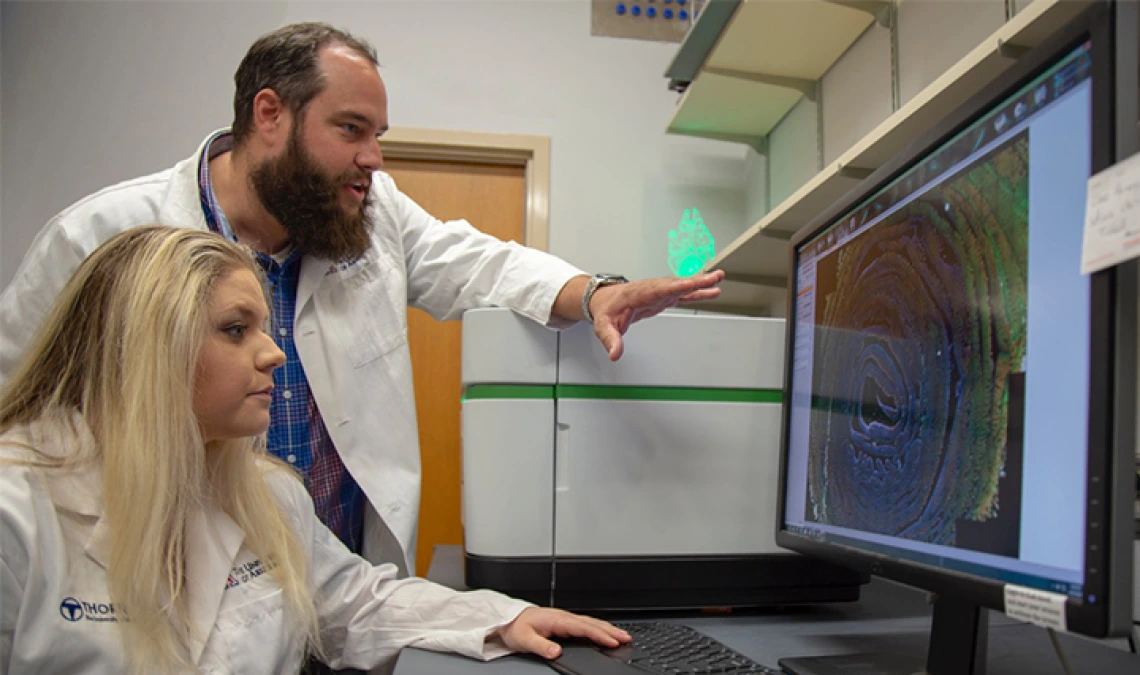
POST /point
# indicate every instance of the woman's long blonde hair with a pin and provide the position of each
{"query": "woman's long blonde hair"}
(121, 346)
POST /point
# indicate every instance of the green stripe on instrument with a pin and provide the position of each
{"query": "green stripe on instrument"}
(630, 393)
(621, 393)
(508, 391)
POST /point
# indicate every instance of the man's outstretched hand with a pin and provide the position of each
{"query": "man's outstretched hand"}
(616, 307)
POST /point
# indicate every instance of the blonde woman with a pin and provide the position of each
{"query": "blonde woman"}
(143, 528)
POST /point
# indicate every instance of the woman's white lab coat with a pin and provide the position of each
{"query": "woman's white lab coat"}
(350, 324)
(56, 616)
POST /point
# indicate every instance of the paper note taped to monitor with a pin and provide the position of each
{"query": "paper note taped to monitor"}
(1112, 217)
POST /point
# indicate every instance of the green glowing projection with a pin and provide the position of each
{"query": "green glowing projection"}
(691, 245)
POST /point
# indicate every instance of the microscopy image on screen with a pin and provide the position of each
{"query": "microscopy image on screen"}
(918, 377)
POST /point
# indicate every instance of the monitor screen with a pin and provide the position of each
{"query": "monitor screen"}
(939, 375)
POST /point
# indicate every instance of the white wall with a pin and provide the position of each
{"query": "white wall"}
(96, 92)
(857, 92)
(935, 34)
(792, 155)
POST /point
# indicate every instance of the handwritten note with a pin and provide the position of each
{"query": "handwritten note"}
(1112, 217)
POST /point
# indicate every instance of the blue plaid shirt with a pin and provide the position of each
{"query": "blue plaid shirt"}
(297, 432)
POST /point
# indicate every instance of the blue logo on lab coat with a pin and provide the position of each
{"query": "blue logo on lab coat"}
(74, 609)
(70, 609)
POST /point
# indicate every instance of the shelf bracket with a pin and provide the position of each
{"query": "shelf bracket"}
(757, 143)
(805, 87)
(778, 235)
(896, 68)
(880, 9)
(757, 279)
(1012, 51)
(819, 125)
(856, 172)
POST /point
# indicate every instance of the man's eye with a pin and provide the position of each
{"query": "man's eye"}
(351, 128)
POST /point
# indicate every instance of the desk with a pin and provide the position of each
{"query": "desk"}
(889, 618)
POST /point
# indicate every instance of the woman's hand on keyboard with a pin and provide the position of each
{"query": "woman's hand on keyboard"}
(529, 632)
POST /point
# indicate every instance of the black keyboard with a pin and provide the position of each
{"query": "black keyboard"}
(664, 648)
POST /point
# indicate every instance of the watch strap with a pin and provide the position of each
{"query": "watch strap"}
(598, 281)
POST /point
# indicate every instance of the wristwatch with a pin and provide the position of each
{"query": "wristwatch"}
(596, 282)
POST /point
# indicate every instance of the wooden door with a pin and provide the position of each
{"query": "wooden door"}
(492, 197)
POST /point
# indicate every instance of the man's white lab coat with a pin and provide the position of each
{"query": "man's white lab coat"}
(56, 615)
(350, 325)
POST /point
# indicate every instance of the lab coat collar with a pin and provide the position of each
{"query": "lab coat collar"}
(183, 202)
(313, 271)
(77, 489)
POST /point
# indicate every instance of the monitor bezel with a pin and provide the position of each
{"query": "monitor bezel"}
(1112, 304)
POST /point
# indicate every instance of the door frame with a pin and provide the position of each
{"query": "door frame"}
(530, 152)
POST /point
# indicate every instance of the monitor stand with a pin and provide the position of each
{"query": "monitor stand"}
(958, 634)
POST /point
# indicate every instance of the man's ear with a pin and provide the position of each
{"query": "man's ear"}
(271, 118)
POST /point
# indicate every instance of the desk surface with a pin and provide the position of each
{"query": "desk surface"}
(889, 618)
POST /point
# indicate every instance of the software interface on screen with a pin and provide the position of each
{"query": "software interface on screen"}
(939, 392)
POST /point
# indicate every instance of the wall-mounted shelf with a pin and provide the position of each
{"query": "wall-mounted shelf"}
(746, 63)
(759, 257)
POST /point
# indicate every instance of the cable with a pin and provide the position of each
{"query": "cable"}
(1060, 654)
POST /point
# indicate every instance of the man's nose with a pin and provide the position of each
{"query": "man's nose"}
(370, 158)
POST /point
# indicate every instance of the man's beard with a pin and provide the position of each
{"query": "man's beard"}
(307, 203)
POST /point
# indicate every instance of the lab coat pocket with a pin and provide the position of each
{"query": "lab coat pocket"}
(258, 637)
(366, 302)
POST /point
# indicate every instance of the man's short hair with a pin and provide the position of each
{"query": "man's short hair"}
(286, 62)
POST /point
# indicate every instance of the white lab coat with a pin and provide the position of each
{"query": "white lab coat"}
(56, 616)
(350, 324)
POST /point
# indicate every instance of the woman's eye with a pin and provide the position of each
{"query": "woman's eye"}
(236, 331)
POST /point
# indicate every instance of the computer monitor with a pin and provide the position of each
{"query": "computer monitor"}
(961, 408)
